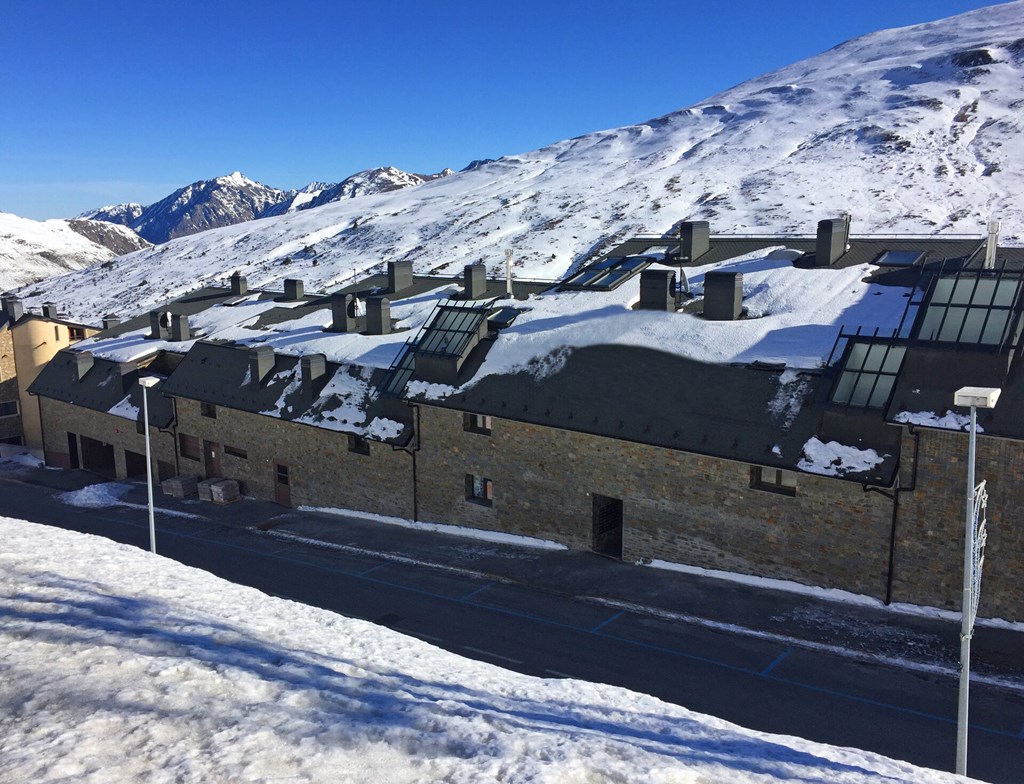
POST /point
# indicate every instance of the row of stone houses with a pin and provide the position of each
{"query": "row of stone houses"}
(774, 406)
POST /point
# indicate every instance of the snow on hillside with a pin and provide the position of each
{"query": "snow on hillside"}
(124, 666)
(911, 130)
(33, 250)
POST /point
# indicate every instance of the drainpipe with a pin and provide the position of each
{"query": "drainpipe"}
(412, 449)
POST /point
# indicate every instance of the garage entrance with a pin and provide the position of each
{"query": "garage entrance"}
(607, 526)
(134, 464)
(97, 457)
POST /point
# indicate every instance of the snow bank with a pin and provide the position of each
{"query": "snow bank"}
(123, 666)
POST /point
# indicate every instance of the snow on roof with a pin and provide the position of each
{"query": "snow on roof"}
(835, 459)
(949, 421)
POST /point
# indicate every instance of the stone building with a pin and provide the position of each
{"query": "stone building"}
(773, 406)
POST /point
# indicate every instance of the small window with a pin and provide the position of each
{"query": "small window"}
(479, 490)
(282, 474)
(774, 480)
(234, 451)
(188, 446)
(56, 333)
(208, 410)
(476, 423)
(76, 333)
(9, 408)
(358, 444)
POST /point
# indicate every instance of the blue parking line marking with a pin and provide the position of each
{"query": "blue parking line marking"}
(371, 570)
(474, 592)
(608, 621)
(776, 661)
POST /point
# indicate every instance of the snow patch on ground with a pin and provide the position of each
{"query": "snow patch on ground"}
(98, 496)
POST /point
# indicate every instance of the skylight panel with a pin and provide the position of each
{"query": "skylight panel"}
(975, 309)
(869, 375)
(607, 273)
(899, 258)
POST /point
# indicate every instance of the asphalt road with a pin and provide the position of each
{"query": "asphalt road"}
(756, 683)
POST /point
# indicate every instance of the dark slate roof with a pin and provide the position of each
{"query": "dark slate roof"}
(188, 305)
(656, 398)
(219, 373)
(932, 373)
(104, 386)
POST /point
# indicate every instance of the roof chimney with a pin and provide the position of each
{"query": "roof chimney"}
(110, 321)
(378, 316)
(159, 324)
(179, 327)
(399, 276)
(313, 366)
(833, 236)
(13, 307)
(657, 290)
(83, 363)
(50, 311)
(343, 315)
(723, 295)
(991, 244)
(261, 362)
(694, 240)
(476, 281)
(293, 290)
(239, 285)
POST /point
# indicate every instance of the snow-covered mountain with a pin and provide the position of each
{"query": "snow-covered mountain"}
(917, 129)
(373, 181)
(33, 250)
(207, 204)
(123, 214)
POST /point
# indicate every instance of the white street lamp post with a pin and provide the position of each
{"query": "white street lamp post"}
(148, 382)
(975, 398)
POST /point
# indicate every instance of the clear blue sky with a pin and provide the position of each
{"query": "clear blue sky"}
(105, 102)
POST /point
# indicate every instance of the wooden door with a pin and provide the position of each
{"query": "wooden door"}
(211, 459)
(607, 526)
(282, 485)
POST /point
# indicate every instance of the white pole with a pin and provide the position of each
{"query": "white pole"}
(508, 272)
(966, 621)
(149, 471)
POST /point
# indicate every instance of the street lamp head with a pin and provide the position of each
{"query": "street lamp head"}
(977, 397)
(148, 381)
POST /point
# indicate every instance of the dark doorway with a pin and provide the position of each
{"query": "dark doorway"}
(97, 456)
(165, 470)
(282, 485)
(134, 464)
(74, 462)
(211, 458)
(607, 526)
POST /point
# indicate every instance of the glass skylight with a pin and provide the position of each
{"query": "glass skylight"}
(607, 273)
(899, 258)
(869, 375)
(976, 309)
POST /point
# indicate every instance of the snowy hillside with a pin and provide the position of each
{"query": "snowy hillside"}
(122, 214)
(32, 250)
(911, 130)
(124, 666)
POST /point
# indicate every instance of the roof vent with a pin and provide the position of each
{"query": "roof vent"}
(83, 364)
(159, 324)
(833, 236)
(261, 362)
(343, 313)
(50, 311)
(399, 276)
(378, 316)
(314, 366)
(239, 285)
(293, 290)
(723, 296)
(694, 240)
(13, 308)
(110, 321)
(657, 290)
(476, 281)
(991, 244)
(179, 327)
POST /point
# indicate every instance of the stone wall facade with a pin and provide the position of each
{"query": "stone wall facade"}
(930, 529)
(677, 506)
(60, 418)
(322, 471)
(10, 424)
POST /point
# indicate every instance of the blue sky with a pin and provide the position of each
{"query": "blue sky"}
(106, 102)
